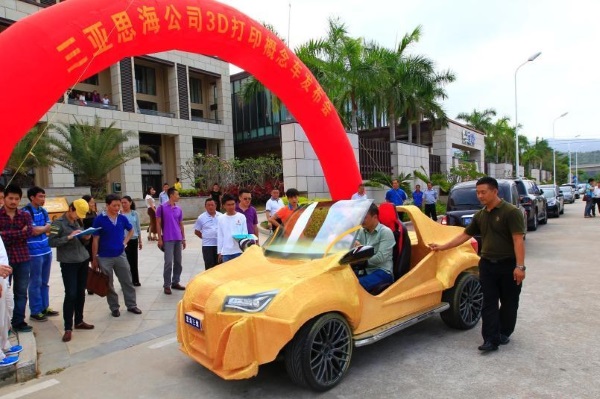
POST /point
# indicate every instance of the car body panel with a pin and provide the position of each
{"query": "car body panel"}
(234, 344)
(532, 200)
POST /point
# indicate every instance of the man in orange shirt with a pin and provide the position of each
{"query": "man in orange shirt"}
(284, 213)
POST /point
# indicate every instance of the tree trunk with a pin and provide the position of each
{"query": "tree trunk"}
(409, 131)
(419, 118)
(392, 126)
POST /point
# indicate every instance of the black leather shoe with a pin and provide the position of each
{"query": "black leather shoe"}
(488, 347)
(504, 339)
(135, 310)
(115, 313)
(178, 287)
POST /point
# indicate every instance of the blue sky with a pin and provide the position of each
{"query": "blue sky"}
(483, 42)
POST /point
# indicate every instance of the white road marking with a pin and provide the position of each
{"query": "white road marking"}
(161, 344)
(29, 390)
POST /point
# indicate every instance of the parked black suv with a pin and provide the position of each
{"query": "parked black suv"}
(463, 202)
(533, 201)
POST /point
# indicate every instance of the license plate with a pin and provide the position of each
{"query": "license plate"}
(467, 221)
(194, 322)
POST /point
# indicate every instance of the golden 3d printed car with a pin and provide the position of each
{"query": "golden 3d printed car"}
(298, 296)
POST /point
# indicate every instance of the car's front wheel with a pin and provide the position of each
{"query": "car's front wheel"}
(465, 300)
(319, 354)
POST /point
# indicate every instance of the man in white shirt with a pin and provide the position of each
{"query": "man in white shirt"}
(206, 229)
(8, 353)
(361, 194)
(230, 224)
(163, 197)
(273, 205)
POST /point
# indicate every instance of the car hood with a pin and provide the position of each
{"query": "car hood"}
(253, 273)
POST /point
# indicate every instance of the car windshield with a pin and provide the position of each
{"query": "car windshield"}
(318, 229)
(549, 193)
(468, 196)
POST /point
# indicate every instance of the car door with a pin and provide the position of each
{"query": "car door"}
(540, 201)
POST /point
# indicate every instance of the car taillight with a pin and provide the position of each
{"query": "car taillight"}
(444, 220)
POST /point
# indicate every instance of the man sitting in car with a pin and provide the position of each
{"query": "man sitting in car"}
(379, 268)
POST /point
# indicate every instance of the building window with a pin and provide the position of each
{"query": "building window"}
(195, 91)
(198, 113)
(145, 80)
(92, 80)
(147, 105)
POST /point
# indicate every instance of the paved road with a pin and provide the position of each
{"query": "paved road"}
(553, 353)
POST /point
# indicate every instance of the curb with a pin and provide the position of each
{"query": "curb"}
(26, 368)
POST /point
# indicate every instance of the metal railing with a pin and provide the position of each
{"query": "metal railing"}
(374, 156)
(199, 119)
(92, 104)
(156, 113)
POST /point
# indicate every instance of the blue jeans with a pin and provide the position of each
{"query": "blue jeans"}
(39, 276)
(74, 276)
(589, 205)
(371, 280)
(20, 282)
(227, 258)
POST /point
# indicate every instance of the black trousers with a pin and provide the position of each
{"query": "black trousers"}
(74, 277)
(430, 211)
(498, 285)
(131, 251)
(209, 253)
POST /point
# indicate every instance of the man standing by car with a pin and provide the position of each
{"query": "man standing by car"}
(379, 267)
(396, 195)
(273, 205)
(228, 225)
(430, 197)
(245, 207)
(502, 263)
(171, 238)
(206, 229)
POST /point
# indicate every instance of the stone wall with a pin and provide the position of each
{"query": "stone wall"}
(301, 168)
(406, 158)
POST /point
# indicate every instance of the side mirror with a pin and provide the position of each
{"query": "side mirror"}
(541, 191)
(357, 254)
(246, 243)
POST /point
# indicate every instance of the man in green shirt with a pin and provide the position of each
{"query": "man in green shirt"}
(379, 268)
(502, 263)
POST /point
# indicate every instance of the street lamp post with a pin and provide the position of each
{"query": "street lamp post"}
(570, 165)
(532, 58)
(554, 147)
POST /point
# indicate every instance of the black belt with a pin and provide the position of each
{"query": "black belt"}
(500, 260)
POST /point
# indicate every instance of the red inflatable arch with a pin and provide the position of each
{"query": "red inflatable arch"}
(48, 52)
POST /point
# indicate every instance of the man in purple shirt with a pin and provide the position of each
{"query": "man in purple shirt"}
(245, 207)
(171, 238)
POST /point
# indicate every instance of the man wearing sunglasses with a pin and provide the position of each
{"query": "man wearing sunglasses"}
(245, 207)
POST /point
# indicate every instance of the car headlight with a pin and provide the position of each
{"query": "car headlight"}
(552, 202)
(249, 303)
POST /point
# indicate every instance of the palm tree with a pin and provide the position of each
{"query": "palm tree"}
(92, 152)
(479, 120)
(32, 151)
(345, 69)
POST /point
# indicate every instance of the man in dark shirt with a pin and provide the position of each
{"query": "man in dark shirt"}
(16, 227)
(244, 206)
(502, 263)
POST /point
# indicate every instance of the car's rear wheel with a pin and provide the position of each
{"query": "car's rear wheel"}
(465, 300)
(534, 224)
(319, 354)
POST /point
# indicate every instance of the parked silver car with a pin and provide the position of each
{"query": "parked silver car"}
(568, 193)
